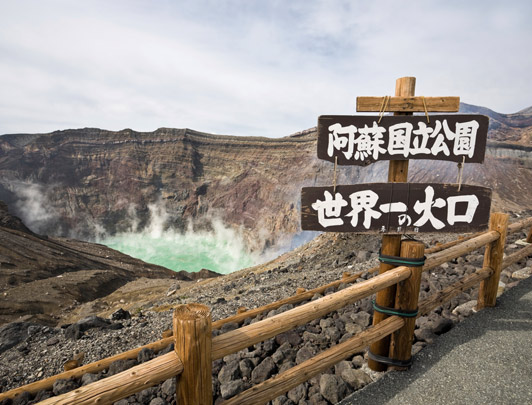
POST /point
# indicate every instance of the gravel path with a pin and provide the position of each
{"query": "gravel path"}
(483, 360)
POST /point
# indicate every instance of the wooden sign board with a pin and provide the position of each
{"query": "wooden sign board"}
(395, 208)
(362, 140)
(408, 104)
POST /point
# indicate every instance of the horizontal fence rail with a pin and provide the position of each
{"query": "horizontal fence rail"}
(78, 372)
(441, 297)
(124, 384)
(295, 299)
(291, 378)
(246, 336)
(517, 256)
(463, 248)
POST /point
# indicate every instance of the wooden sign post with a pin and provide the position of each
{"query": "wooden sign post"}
(398, 207)
(391, 244)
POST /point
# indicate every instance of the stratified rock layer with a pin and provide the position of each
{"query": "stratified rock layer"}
(87, 181)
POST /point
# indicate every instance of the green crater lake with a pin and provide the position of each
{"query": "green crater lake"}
(221, 250)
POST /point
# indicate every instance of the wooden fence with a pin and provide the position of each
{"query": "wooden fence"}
(195, 349)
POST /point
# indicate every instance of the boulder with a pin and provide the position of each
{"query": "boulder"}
(64, 386)
(144, 355)
(229, 372)
(263, 371)
(332, 388)
(231, 388)
(341, 366)
(442, 325)
(355, 378)
(304, 354)
(168, 388)
(425, 335)
(120, 365)
(89, 378)
(120, 314)
(298, 393)
(246, 367)
(76, 330)
(13, 333)
(466, 309)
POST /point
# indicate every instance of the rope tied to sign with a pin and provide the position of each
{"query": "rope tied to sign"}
(385, 102)
(426, 112)
(460, 171)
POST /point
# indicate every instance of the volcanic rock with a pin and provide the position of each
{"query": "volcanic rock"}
(13, 333)
(332, 387)
(263, 371)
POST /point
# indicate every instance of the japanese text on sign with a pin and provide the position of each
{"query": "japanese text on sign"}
(359, 140)
(395, 207)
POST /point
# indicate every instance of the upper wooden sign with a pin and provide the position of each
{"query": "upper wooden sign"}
(361, 140)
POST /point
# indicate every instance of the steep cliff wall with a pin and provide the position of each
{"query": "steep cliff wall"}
(89, 181)
(83, 180)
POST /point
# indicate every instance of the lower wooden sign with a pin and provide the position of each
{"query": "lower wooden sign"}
(395, 208)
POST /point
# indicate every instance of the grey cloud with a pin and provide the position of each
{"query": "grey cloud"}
(249, 68)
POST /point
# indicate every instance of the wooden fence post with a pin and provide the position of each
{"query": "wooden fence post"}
(406, 299)
(193, 345)
(493, 257)
(391, 244)
(529, 237)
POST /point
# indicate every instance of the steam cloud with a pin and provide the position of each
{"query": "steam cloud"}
(34, 208)
(205, 243)
(215, 246)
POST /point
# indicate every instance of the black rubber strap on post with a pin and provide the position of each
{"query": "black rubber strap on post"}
(388, 361)
(405, 313)
(401, 261)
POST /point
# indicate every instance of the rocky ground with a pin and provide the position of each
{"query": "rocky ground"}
(30, 352)
(45, 279)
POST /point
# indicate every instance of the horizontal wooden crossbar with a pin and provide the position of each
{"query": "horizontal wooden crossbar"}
(124, 384)
(459, 250)
(435, 300)
(408, 104)
(517, 226)
(295, 299)
(95, 367)
(246, 336)
(291, 378)
(516, 256)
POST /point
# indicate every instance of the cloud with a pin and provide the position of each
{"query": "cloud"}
(248, 68)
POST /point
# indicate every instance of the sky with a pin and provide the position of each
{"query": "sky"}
(250, 68)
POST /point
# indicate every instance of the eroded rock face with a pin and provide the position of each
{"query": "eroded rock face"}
(86, 181)
(91, 175)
